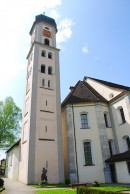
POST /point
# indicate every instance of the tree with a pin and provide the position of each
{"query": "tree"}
(10, 120)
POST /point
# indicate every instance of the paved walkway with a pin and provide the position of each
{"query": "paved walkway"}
(14, 187)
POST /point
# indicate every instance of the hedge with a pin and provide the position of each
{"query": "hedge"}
(1, 182)
(87, 190)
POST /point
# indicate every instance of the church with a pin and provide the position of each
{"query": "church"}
(86, 138)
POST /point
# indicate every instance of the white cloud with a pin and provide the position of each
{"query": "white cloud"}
(64, 31)
(54, 14)
(16, 18)
(85, 49)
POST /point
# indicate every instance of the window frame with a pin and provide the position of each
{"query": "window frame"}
(107, 120)
(126, 140)
(43, 82)
(83, 153)
(84, 123)
(49, 70)
(43, 66)
(43, 53)
(50, 55)
(47, 42)
(121, 115)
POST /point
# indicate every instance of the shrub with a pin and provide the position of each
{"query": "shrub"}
(67, 181)
(96, 184)
(42, 182)
(1, 182)
(88, 190)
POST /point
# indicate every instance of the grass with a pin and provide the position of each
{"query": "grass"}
(51, 186)
(113, 187)
(109, 187)
(56, 191)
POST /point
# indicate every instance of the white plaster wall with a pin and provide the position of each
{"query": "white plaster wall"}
(121, 129)
(95, 172)
(12, 166)
(104, 90)
(122, 173)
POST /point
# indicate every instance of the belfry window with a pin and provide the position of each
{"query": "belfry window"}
(50, 70)
(46, 41)
(43, 54)
(42, 68)
(49, 55)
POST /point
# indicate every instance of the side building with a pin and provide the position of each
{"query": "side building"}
(96, 132)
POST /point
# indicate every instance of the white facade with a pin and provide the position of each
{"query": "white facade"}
(105, 131)
(41, 139)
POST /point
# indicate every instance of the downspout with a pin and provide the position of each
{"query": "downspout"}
(75, 145)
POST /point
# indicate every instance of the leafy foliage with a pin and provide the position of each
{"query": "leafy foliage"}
(1, 182)
(67, 181)
(10, 117)
(96, 184)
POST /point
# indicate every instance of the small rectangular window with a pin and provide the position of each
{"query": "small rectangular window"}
(84, 121)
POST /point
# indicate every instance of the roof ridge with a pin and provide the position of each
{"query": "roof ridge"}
(110, 84)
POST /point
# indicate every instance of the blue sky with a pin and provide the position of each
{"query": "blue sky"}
(93, 35)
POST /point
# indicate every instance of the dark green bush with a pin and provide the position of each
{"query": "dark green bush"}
(96, 184)
(67, 181)
(88, 190)
(1, 182)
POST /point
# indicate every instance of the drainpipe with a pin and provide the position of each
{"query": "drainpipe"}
(75, 145)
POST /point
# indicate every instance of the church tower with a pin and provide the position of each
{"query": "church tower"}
(41, 141)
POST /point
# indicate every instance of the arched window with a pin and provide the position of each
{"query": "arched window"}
(87, 153)
(84, 120)
(49, 84)
(50, 70)
(107, 119)
(121, 115)
(43, 82)
(43, 54)
(50, 55)
(126, 140)
(42, 68)
(111, 146)
(46, 41)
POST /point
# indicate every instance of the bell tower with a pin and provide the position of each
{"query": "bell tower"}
(41, 141)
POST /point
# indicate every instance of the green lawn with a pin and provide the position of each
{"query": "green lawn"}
(108, 187)
(114, 187)
(56, 191)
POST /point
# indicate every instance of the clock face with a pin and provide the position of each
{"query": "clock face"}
(47, 33)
